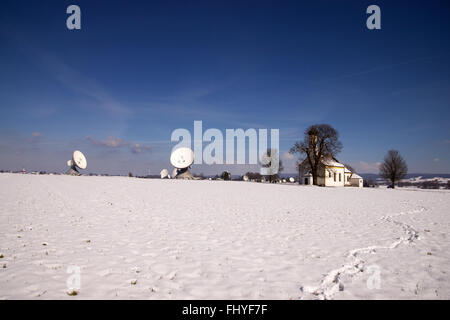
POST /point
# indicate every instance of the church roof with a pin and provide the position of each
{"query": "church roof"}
(332, 162)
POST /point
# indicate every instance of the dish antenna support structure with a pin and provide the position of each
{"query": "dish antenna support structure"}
(78, 161)
(164, 174)
(182, 159)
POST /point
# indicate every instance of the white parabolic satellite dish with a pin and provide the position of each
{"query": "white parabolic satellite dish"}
(245, 178)
(182, 158)
(78, 161)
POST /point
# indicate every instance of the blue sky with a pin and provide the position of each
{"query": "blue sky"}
(137, 70)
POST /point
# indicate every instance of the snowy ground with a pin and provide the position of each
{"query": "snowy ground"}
(167, 239)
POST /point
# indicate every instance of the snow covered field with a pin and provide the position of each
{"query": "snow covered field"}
(167, 239)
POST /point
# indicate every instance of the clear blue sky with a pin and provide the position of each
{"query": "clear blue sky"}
(137, 70)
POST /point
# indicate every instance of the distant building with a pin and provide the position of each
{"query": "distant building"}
(331, 173)
(356, 180)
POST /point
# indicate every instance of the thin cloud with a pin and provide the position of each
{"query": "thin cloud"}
(68, 76)
(288, 156)
(80, 83)
(36, 137)
(110, 142)
(118, 143)
(140, 148)
(382, 68)
(366, 167)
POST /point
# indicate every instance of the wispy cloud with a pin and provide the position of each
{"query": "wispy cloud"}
(35, 137)
(117, 143)
(110, 142)
(382, 68)
(140, 148)
(67, 75)
(366, 167)
(79, 83)
(288, 156)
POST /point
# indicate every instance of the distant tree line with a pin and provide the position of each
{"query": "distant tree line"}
(428, 184)
(370, 183)
(254, 176)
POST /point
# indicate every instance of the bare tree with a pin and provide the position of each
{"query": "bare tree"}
(320, 140)
(393, 167)
(225, 176)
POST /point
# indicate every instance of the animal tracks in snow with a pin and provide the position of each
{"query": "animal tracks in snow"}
(332, 282)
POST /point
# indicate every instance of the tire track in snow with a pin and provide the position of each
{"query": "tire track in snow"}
(332, 283)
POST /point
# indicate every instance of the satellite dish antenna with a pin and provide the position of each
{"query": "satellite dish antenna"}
(245, 178)
(78, 161)
(182, 159)
(291, 179)
(164, 173)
